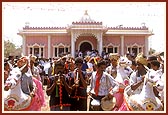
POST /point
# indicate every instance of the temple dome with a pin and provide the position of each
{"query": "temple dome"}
(86, 18)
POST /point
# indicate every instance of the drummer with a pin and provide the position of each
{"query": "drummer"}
(137, 77)
(102, 84)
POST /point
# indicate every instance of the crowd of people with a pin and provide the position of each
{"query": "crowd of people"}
(86, 83)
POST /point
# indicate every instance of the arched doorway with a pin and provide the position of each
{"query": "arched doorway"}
(85, 46)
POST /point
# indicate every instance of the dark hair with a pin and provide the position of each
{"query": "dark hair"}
(101, 62)
(151, 58)
(59, 63)
(79, 60)
(36, 63)
(155, 63)
(134, 63)
(59, 67)
(11, 57)
(6, 63)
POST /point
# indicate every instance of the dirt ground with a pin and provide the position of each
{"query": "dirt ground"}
(46, 108)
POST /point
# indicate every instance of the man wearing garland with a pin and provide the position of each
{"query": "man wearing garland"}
(58, 89)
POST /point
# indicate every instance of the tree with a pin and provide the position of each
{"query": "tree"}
(10, 49)
(151, 51)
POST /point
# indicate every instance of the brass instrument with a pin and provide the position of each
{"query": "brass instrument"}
(58, 81)
(59, 78)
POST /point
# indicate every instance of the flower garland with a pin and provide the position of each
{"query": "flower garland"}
(60, 96)
(60, 93)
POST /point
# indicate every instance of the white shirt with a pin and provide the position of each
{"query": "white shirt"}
(90, 65)
(106, 82)
(134, 79)
(110, 68)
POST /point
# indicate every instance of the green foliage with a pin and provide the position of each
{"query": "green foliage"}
(10, 49)
(151, 51)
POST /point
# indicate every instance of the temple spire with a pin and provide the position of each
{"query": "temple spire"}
(86, 13)
(86, 18)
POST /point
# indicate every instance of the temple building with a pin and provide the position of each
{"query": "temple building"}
(84, 35)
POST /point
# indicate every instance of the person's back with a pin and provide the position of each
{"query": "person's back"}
(84, 66)
(27, 82)
(26, 78)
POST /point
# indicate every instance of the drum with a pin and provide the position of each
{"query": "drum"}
(108, 104)
(95, 104)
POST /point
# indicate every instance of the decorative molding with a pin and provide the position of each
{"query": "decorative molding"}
(111, 44)
(135, 44)
(60, 44)
(35, 44)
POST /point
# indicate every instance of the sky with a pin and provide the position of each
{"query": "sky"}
(62, 14)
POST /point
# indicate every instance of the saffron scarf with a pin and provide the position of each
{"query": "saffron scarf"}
(96, 89)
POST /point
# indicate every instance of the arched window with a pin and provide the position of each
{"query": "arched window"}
(59, 49)
(134, 49)
(111, 48)
(36, 49)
